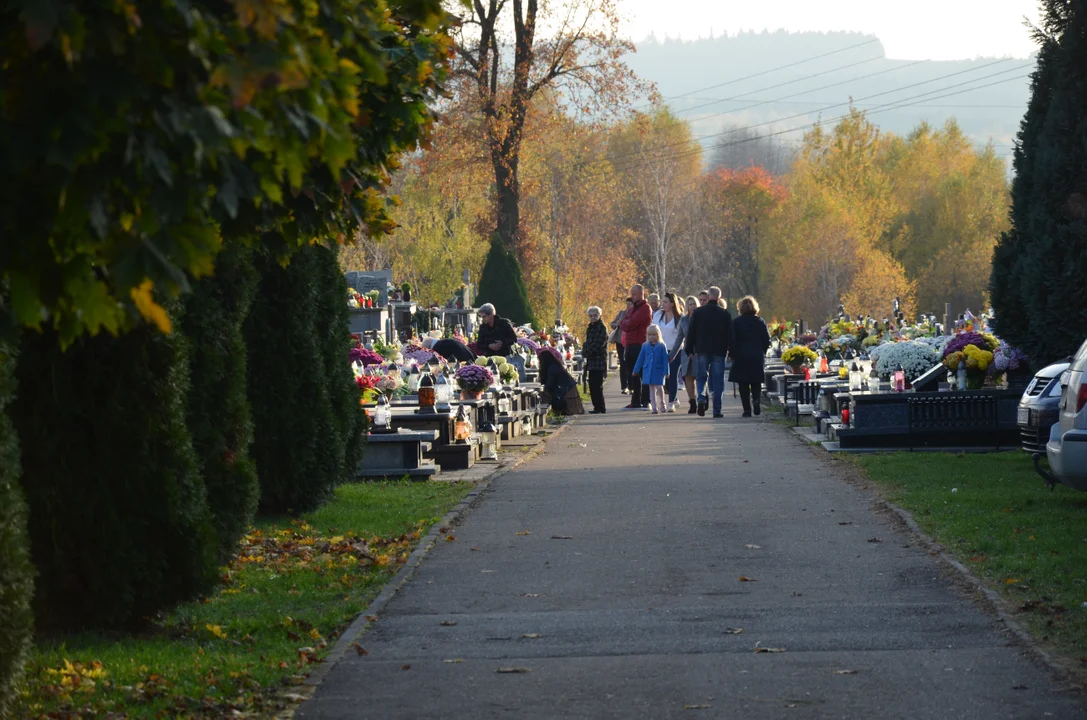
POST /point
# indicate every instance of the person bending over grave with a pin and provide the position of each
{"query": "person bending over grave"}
(450, 349)
(496, 334)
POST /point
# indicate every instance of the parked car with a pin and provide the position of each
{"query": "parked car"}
(1067, 446)
(1039, 408)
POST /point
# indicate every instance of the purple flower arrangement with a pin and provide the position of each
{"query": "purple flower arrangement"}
(421, 357)
(473, 377)
(1008, 358)
(530, 344)
(959, 342)
(366, 357)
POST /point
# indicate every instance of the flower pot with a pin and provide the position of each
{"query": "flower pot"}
(975, 380)
(471, 394)
(797, 369)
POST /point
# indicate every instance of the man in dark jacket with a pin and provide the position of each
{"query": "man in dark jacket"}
(496, 335)
(708, 339)
(450, 349)
(634, 324)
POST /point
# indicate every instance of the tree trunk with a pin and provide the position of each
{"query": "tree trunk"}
(508, 201)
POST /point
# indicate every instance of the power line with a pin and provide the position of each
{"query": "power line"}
(823, 102)
(767, 72)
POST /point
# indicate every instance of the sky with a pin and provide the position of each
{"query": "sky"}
(909, 29)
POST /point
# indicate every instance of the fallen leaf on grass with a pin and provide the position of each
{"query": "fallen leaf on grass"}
(562, 537)
(532, 636)
(978, 558)
(524, 532)
(745, 578)
(753, 547)
(359, 649)
(513, 670)
(845, 672)
(700, 706)
(448, 623)
(733, 631)
(1011, 581)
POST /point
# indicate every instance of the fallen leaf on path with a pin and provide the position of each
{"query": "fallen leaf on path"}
(769, 650)
(524, 532)
(405, 667)
(450, 538)
(745, 578)
(509, 670)
(453, 660)
(562, 537)
(875, 539)
(448, 623)
(486, 571)
(1019, 687)
(733, 631)
(790, 705)
(371, 618)
(532, 636)
(359, 649)
(700, 706)
(845, 672)
(845, 523)
(475, 549)
(530, 594)
(753, 547)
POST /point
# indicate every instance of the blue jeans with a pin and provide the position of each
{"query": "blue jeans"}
(711, 367)
(671, 383)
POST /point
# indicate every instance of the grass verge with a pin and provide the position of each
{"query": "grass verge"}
(293, 587)
(993, 513)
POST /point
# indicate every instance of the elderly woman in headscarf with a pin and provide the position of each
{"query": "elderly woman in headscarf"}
(557, 382)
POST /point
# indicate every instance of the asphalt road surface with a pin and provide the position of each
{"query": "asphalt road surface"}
(638, 568)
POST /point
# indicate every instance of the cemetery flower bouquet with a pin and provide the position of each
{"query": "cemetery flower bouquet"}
(420, 356)
(530, 344)
(389, 384)
(365, 357)
(913, 357)
(982, 341)
(367, 386)
(473, 377)
(778, 329)
(797, 355)
(807, 338)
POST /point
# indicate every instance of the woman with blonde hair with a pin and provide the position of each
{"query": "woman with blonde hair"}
(751, 339)
(668, 320)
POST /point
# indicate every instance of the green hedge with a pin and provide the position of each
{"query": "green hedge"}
(218, 404)
(119, 524)
(501, 285)
(16, 573)
(296, 447)
(334, 335)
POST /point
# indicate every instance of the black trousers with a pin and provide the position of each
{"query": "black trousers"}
(596, 389)
(639, 394)
(624, 369)
(750, 392)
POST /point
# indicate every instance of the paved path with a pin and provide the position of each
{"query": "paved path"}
(629, 617)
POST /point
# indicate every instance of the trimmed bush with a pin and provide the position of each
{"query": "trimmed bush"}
(296, 447)
(501, 285)
(334, 336)
(119, 524)
(218, 403)
(1039, 265)
(16, 573)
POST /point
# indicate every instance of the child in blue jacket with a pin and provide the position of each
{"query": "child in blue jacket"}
(652, 367)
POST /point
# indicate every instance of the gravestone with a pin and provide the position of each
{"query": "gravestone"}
(379, 280)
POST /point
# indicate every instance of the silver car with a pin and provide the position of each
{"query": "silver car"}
(1067, 446)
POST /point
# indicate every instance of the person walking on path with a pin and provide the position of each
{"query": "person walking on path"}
(668, 320)
(654, 301)
(652, 368)
(634, 324)
(709, 338)
(595, 353)
(686, 362)
(496, 334)
(616, 338)
(750, 341)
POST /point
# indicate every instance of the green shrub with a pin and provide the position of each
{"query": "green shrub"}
(501, 285)
(334, 335)
(119, 524)
(16, 573)
(218, 404)
(298, 453)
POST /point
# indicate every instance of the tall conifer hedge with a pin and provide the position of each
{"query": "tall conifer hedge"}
(1039, 281)
(501, 284)
(297, 449)
(16, 573)
(218, 404)
(119, 524)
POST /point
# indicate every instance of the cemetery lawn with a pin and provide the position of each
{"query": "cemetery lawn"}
(1024, 540)
(292, 589)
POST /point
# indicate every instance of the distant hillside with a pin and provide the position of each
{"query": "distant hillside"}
(690, 68)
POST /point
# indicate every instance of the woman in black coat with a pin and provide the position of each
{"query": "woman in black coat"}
(751, 338)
